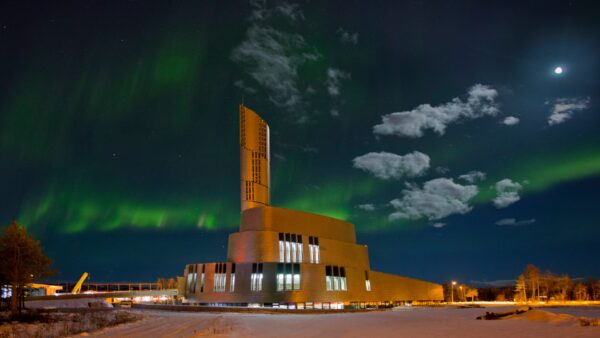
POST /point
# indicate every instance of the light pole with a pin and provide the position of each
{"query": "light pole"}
(452, 293)
(462, 294)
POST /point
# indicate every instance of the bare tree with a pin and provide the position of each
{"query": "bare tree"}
(564, 285)
(521, 289)
(580, 292)
(22, 262)
(172, 283)
(596, 290)
(532, 275)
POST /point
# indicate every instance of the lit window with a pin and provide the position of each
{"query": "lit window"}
(335, 278)
(313, 246)
(290, 248)
(257, 277)
(287, 248)
(281, 248)
(299, 249)
(220, 277)
(367, 281)
(191, 279)
(288, 277)
(232, 279)
(328, 278)
(201, 280)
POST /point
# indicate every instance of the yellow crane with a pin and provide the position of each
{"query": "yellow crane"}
(77, 288)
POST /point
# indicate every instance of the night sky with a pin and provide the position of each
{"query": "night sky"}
(441, 129)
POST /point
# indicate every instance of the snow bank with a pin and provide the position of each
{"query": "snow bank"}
(68, 303)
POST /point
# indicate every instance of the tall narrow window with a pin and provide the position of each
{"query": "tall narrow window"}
(191, 278)
(367, 281)
(328, 278)
(220, 277)
(232, 278)
(257, 277)
(336, 278)
(296, 274)
(299, 243)
(201, 279)
(281, 248)
(313, 247)
(293, 245)
(280, 277)
(287, 248)
(343, 285)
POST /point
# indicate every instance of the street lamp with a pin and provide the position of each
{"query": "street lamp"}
(462, 294)
(452, 293)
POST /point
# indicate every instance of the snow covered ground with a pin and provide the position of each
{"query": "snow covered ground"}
(412, 322)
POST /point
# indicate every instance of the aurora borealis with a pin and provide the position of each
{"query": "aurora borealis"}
(119, 130)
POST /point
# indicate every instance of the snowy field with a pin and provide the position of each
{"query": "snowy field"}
(412, 322)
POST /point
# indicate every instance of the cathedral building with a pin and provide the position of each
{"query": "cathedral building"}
(292, 259)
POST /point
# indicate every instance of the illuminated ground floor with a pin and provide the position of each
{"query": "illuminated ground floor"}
(300, 286)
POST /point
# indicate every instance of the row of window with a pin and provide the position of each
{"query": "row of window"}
(335, 278)
(291, 249)
(287, 277)
(257, 277)
(220, 277)
(249, 191)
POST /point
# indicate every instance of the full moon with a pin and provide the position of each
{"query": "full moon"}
(558, 70)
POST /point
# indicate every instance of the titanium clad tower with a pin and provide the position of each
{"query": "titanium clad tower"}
(254, 160)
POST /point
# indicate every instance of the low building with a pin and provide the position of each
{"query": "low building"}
(288, 258)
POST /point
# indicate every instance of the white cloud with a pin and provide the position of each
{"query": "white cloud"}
(438, 225)
(347, 37)
(508, 193)
(391, 166)
(563, 109)
(334, 77)
(480, 102)
(442, 170)
(271, 57)
(514, 222)
(366, 207)
(473, 176)
(510, 121)
(437, 199)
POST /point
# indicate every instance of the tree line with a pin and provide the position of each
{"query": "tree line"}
(535, 285)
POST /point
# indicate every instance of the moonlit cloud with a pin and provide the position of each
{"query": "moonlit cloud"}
(473, 176)
(510, 121)
(334, 77)
(514, 222)
(480, 101)
(563, 109)
(391, 166)
(347, 37)
(366, 207)
(437, 199)
(271, 57)
(438, 225)
(507, 193)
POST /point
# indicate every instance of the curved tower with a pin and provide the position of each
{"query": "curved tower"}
(254, 160)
